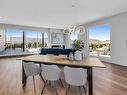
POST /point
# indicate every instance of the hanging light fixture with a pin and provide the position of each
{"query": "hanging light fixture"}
(76, 29)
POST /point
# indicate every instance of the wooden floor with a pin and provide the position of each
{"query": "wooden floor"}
(107, 81)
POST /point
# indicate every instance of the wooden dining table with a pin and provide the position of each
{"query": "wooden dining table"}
(88, 63)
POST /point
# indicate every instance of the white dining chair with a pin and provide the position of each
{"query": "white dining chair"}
(75, 77)
(31, 69)
(62, 67)
(50, 73)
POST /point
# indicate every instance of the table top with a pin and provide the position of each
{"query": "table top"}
(63, 61)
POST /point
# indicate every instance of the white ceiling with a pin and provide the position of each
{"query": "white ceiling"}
(58, 13)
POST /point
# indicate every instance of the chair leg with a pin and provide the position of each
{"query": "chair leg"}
(61, 82)
(43, 87)
(80, 91)
(67, 89)
(84, 89)
(55, 88)
(33, 78)
(34, 83)
(42, 78)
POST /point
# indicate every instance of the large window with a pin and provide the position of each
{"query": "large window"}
(35, 41)
(99, 41)
(14, 42)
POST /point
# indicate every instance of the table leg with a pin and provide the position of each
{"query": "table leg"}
(40, 73)
(24, 77)
(90, 80)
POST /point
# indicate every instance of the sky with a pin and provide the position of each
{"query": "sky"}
(73, 36)
(13, 33)
(100, 32)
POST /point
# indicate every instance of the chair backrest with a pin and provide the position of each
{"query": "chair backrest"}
(51, 72)
(75, 76)
(31, 68)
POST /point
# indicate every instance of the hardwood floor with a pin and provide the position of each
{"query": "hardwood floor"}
(107, 81)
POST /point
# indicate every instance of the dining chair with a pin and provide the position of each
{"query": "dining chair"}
(31, 69)
(75, 77)
(62, 67)
(50, 73)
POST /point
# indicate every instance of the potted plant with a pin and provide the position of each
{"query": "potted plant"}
(78, 45)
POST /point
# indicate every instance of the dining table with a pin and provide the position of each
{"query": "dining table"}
(87, 63)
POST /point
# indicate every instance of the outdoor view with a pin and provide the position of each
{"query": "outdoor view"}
(34, 41)
(73, 36)
(13, 42)
(99, 41)
(14, 39)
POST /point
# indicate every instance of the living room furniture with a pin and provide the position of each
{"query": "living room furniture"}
(45, 51)
(87, 63)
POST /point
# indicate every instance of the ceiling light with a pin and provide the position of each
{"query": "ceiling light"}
(76, 29)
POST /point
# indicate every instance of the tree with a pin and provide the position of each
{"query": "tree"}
(29, 45)
(34, 44)
(100, 45)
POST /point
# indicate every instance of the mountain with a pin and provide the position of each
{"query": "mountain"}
(94, 41)
(98, 41)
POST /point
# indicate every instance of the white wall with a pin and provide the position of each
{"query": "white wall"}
(118, 38)
(2, 39)
(67, 41)
(23, 28)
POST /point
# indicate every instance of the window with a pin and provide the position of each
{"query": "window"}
(99, 41)
(14, 41)
(14, 38)
(35, 41)
(73, 36)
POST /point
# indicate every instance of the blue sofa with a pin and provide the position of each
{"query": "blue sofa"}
(45, 51)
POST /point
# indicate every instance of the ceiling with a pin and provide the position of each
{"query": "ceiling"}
(58, 13)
